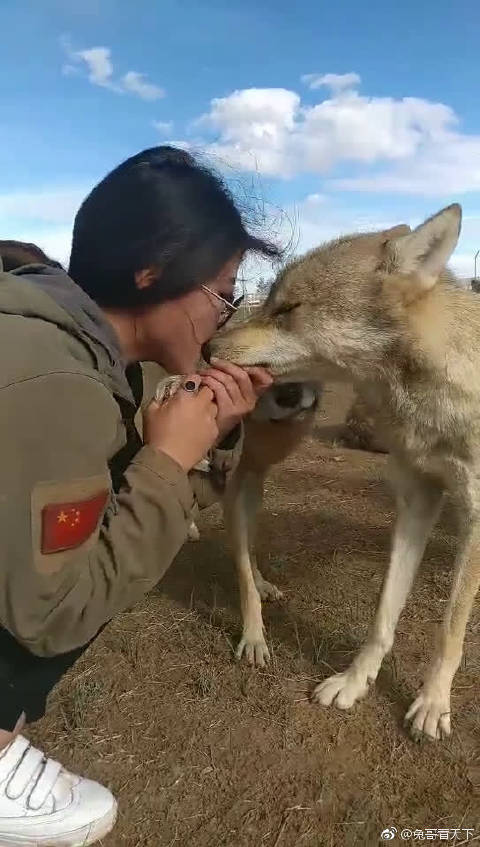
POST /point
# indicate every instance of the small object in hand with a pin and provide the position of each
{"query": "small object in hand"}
(167, 388)
(203, 465)
(193, 533)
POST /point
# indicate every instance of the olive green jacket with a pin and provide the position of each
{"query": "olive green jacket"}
(90, 519)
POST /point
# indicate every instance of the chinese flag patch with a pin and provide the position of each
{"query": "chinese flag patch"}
(67, 525)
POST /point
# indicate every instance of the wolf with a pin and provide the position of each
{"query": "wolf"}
(282, 419)
(383, 309)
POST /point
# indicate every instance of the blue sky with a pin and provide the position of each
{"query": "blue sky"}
(339, 116)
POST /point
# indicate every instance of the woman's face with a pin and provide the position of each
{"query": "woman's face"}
(172, 333)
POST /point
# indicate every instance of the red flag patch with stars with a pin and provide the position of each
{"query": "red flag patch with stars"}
(67, 525)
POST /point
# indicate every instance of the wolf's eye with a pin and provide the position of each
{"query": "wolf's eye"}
(284, 309)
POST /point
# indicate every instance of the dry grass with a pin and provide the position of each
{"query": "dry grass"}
(203, 751)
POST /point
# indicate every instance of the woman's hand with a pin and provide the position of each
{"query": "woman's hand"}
(185, 426)
(236, 391)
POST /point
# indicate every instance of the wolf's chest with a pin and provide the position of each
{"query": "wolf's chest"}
(428, 427)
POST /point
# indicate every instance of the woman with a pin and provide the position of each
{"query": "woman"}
(90, 519)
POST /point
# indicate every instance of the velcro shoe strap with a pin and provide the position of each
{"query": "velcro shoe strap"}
(27, 769)
(13, 754)
(45, 784)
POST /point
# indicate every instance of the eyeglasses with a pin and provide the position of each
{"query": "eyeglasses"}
(228, 309)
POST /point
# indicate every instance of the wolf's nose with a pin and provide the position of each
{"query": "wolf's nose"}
(206, 352)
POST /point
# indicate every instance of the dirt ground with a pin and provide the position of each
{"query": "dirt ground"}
(201, 750)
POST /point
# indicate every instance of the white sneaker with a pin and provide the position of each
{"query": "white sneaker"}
(42, 804)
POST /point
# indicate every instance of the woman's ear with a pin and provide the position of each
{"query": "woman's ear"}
(146, 278)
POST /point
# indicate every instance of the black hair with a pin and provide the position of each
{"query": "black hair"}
(163, 210)
(14, 254)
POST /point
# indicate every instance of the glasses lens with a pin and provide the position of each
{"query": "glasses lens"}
(224, 317)
(229, 310)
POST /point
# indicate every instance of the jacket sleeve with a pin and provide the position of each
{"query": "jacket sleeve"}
(57, 434)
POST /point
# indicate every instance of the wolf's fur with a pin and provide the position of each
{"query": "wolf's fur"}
(359, 431)
(281, 419)
(383, 309)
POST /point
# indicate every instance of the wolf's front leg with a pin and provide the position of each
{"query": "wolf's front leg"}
(418, 504)
(240, 508)
(429, 714)
(254, 487)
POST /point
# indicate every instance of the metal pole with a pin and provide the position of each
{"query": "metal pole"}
(475, 264)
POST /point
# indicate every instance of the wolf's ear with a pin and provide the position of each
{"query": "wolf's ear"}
(424, 253)
(396, 231)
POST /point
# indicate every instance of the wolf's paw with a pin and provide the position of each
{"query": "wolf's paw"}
(429, 716)
(254, 648)
(341, 690)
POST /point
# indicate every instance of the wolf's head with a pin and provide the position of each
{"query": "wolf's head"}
(339, 307)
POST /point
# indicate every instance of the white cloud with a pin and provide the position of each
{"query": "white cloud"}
(318, 222)
(99, 65)
(254, 127)
(448, 164)
(463, 265)
(70, 70)
(352, 128)
(43, 217)
(97, 62)
(54, 241)
(136, 83)
(336, 82)
(44, 206)
(271, 130)
(163, 127)
(408, 145)
(316, 199)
